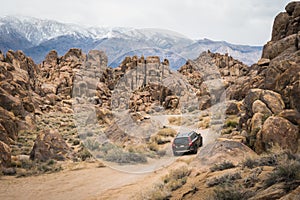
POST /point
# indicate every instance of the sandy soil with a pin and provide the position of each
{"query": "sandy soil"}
(83, 182)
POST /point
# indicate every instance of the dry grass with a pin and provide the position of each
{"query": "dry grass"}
(176, 121)
(158, 140)
(204, 122)
(222, 166)
(170, 182)
(167, 132)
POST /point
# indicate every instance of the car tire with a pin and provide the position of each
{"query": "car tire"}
(195, 149)
(175, 154)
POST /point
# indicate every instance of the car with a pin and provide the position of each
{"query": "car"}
(186, 142)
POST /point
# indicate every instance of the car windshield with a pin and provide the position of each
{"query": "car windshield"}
(183, 140)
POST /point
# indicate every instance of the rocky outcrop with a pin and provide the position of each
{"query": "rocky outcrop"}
(277, 88)
(18, 102)
(264, 130)
(49, 144)
(217, 66)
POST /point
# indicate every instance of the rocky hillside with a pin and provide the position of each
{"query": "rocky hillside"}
(269, 125)
(81, 91)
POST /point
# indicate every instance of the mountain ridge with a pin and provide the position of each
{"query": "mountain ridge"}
(36, 37)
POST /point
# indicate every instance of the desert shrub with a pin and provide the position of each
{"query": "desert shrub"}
(252, 179)
(288, 172)
(153, 146)
(176, 178)
(175, 121)
(232, 124)
(89, 134)
(222, 166)
(107, 147)
(226, 131)
(82, 136)
(123, 157)
(159, 139)
(231, 193)
(48, 168)
(250, 163)
(91, 144)
(223, 180)
(84, 154)
(157, 193)
(166, 132)
(161, 153)
(76, 142)
(175, 184)
(270, 160)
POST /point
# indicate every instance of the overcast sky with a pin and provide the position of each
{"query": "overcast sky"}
(235, 21)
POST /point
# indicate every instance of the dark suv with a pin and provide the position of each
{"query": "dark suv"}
(186, 142)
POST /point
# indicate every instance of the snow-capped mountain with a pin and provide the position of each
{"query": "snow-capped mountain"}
(36, 37)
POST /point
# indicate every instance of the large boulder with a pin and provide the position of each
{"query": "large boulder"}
(279, 132)
(260, 107)
(273, 101)
(49, 144)
(220, 151)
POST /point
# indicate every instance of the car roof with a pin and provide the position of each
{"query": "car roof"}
(187, 134)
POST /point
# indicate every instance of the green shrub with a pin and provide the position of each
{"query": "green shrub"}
(233, 124)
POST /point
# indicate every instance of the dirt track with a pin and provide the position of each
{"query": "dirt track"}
(90, 182)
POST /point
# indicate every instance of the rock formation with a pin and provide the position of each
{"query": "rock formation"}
(271, 117)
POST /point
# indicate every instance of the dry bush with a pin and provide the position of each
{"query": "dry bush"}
(204, 122)
(288, 173)
(225, 179)
(222, 166)
(175, 121)
(167, 132)
(176, 178)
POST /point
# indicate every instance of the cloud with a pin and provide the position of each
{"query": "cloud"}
(237, 21)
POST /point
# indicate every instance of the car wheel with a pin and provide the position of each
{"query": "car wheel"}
(201, 142)
(195, 149)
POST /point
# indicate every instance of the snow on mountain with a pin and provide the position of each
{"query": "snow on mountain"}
(36, 37)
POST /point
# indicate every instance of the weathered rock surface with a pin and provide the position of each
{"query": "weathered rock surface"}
(277, 88)
(220, 151)
(49, 144)
(281, 132)
(5, 156)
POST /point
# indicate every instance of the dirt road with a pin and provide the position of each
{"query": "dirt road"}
(88, 181)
